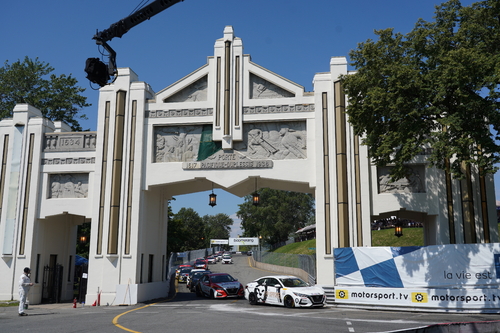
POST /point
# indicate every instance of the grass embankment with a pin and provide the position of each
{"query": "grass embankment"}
(384, 237)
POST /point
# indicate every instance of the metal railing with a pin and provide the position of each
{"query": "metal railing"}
(305, 262)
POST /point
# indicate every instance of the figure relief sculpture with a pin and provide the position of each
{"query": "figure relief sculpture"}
(412, 183)
(68, 185)
(275, 141)
(257, 143)
(195, 92)
(177, 144)
(263, 89)
(294, 142)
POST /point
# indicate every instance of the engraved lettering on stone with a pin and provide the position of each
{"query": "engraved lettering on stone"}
(263, 89)
(195, 92)
(69, 142)
(177, 144)
(68, 185)
(412, 183)
(227, 160)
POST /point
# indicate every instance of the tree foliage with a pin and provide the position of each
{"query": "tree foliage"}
(188, 231)
(217, 226)
(437, 86)
(279, 214)
(57, 97)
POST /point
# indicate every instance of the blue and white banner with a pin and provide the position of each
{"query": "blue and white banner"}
(440, 266)
(470, 299)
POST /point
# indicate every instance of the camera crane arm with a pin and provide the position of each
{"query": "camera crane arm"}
(97, 71)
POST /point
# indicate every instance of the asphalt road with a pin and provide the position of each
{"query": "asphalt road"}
(186, 313)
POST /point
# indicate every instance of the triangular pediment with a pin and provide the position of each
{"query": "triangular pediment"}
(263, 89)
(194, 92)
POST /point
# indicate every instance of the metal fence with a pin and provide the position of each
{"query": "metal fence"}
(305, 262)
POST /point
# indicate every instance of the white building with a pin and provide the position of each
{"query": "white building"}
(230, 124)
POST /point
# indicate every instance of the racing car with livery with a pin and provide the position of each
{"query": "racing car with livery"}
(284, 290)
(219, 285)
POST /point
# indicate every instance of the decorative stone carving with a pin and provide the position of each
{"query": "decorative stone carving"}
(412, 183)
(275, 141)
(195, 92)
(262, 89)
(69, 160)
(177, 144)
(262, 141)
(278, 108)
(68, 185)
(179, 113)
(58, 142)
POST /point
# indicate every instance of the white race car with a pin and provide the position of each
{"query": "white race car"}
(288, 291)
(226, 259)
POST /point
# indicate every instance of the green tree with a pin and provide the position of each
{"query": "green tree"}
(436, 86)
(57, 97)
(279, 214)
(186, 231)
(217, 226)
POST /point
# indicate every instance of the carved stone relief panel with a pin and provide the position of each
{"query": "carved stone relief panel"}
(414, 182)
(195, 92)
(68, 185)
(262, 89)
(275, 141)
(177, 144)
(262, 141)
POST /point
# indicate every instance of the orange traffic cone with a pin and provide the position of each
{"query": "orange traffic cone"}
(95, 303)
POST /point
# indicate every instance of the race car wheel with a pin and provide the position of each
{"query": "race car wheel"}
(252, 299)
(289, 302)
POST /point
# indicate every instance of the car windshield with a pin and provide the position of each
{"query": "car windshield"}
(294, 282)
(222, 278)
(186, 270)
(198, 274)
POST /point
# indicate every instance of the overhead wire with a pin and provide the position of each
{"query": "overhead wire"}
(139, 6)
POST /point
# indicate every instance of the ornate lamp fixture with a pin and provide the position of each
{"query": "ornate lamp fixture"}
(398, 229)
(212, 198)
(255, 195)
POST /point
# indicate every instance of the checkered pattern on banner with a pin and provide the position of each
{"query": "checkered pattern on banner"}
(374, 268)
(435, 266)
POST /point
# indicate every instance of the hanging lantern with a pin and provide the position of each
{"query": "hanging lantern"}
(255, 195)
(212, 199)
(398, 229)
(255, 198)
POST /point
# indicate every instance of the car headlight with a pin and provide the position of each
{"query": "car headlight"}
(300, 295)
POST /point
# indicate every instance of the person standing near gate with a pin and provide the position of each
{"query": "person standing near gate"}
(24, 286)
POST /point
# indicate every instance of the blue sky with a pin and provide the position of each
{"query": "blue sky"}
(292, 38)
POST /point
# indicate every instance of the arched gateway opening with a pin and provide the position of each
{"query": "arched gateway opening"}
(230, 124)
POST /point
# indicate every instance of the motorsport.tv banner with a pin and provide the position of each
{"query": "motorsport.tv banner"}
(422, 298)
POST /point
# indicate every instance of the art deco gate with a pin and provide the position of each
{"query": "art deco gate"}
(52, 284)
